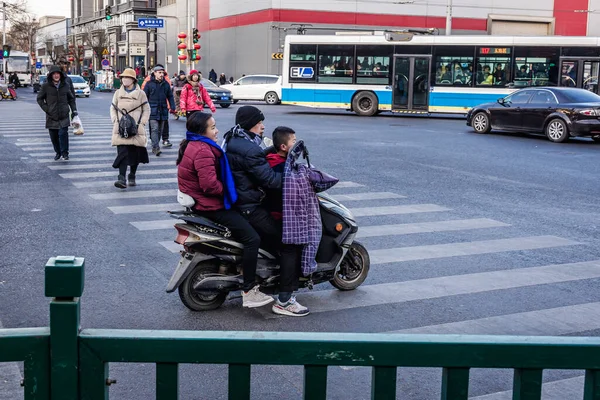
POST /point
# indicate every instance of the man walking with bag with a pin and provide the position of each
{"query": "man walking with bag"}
(158, 91)
(57, 100)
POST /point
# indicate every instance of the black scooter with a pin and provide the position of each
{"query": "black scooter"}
(210, 266)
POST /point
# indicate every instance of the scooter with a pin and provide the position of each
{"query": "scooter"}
(210, 265)
(10, 93)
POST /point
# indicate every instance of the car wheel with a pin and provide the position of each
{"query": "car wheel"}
(557, 130)
(271, 98)
(481, 122)
(365, 104)
(225, 105)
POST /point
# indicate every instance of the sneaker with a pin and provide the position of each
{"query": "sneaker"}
(66, 157)
(292, 308)
(166, 143)
(57, 157)
(120, 182)
(255, 298)
(156, 151)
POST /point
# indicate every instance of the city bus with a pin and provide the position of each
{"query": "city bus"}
(423, 74)
(19, 62)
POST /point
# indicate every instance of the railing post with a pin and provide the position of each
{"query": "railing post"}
(64, 283)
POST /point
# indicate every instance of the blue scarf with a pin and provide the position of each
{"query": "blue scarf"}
(226, 178)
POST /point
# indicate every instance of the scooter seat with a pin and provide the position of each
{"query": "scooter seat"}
(192, 218)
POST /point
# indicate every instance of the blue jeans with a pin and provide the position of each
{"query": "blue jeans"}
(60, 140)
(157, 131)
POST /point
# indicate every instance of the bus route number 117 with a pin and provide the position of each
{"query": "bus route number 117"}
(302, 72)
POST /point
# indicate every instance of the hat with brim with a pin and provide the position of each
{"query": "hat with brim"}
(128, 73)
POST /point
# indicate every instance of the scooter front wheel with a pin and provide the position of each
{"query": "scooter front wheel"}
(200, 301)
(354, 268)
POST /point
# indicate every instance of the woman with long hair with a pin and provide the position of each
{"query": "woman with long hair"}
(203, 173)
(131, 151)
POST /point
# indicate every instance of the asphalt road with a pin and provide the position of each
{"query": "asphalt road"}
(468, 234)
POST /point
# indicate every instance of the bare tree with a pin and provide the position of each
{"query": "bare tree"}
(97, 39)
(23, 32)
(55, 47)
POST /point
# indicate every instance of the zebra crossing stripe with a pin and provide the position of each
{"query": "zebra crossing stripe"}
(101, 174)
(404, 209)
(71, 142)
(453, 285)
(77, 153)
(367, 196)
(171, 245)
(427, 227)
(571, 388)
(135, 194)
(102, 184)
(69, 166)
(415, 253)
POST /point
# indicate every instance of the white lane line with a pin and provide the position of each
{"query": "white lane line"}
(445, 286)
(564, 389)
(82, 162)
(367, 196)
(429, 252)
(426, 227)
(104, 141)
(153, 225)
(69, 166)
(135, 194)
(404, 209)
(76, 153)
(548, 322)
(171, 246)
(347, 184)
(102, 174)
(142, 208)
(99, 184)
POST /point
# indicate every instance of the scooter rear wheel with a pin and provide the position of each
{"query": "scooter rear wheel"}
(199, 301)
(354, 268)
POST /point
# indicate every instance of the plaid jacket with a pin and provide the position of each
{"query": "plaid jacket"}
(301, 215)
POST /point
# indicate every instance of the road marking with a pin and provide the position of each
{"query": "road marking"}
(454, 285)
(80, 175)
(76, 153)
(425, 227)
(563, 389)
(153, 225)
(171, 246)
(367, 196)
(342, 185)
(81, 162)
(549, 322)
(404, 209)
(414, 253)
(99, 184)
(71, 142)
(69, 166)
(134, 195)
(142, 208)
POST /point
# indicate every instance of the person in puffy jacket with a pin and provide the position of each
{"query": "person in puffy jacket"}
(194, 96)
(203, 172)
(159, 92)
(131, 151)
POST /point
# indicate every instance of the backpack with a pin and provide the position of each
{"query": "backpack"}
(127, 125)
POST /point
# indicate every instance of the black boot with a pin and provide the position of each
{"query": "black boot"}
(131, 180)
(120, 183)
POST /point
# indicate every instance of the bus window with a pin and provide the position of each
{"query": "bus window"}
(453, 65)
(336, 64)
(303, 62)
(536, 66)
(493, 66)
(303, 52)
(373, 64)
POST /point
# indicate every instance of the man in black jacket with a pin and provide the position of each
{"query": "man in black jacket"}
(159, 92)
(57, 101)
(252, 175)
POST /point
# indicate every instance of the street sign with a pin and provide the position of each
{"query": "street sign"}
(151, 23)
(277, 56)
(105, 52)
(38, 65)
(105, 64)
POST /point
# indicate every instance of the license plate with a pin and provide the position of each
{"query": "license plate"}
(79, 91)
(225, 98)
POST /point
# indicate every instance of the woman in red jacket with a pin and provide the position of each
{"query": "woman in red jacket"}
(203, 173)
(194, 96)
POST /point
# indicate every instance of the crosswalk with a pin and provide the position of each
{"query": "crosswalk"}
(400, 232)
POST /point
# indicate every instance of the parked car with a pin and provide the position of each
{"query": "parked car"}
(257, 87)
(218, 95)
(38, 84)
(80, 85)
(557, 112)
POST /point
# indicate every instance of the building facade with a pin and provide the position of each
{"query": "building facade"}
(239, 37)
(51, 40)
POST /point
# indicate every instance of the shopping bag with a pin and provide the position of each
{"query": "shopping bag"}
(77, 125)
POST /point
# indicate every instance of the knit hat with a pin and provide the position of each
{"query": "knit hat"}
(248, 116)
(158, 67)
(194, 71)
(128, 73)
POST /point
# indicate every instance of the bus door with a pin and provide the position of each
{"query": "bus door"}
(411, 83)
(580, 73)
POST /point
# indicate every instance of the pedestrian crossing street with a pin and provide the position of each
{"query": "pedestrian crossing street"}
(395, 228)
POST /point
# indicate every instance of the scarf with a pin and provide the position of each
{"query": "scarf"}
(238, 131)
(226, 178)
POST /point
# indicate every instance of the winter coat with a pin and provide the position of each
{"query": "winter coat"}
(274, 201)
(179, 83)
(159, 93)
(212, 76)
(251, 171)
(222, 80)
(190, 95)
(198, 176)
(126, 102)
(57, 103)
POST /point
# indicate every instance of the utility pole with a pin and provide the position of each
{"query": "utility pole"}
(449, 18)
(4, 37)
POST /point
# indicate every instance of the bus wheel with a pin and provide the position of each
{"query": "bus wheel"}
(365, 104)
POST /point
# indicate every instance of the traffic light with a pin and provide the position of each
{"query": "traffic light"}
(196, 35)
(108, 12)
(6, 50)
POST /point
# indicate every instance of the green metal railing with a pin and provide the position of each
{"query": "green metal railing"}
(64, 363)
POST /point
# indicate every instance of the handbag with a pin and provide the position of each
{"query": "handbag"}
(320, 181)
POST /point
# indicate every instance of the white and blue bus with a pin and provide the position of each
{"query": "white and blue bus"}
(19, 62)
(406, 73)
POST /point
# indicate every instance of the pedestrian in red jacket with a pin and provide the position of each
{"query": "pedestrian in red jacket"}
(194, 96)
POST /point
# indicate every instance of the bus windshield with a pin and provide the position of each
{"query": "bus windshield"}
(17, 64)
